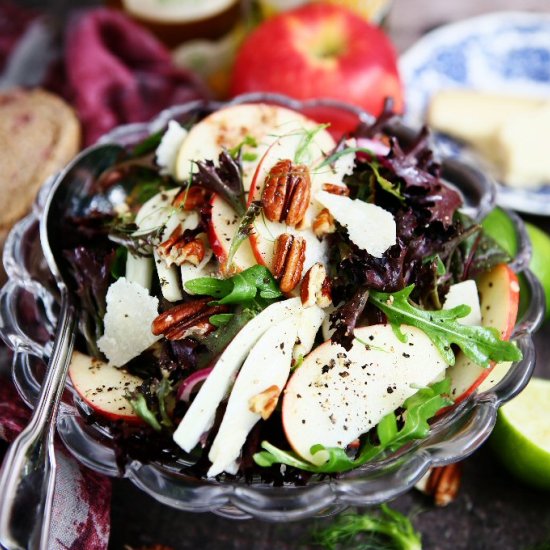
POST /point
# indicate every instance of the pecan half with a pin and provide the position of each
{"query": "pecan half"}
(316, 287)
(287, 191)
(288, 261)
(265, 402)
(177, 249)
(324, 224)
(191, 198)
(188, 319)
(443, 483)
(341, 190)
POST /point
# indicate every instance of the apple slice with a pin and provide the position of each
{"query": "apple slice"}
(499, 291)
(202, 411)
(465, 293)
(222, 227)
(309, 324)
(228, 127)
(337, 395)
(265, 231)
(103, 387)
(266, 368)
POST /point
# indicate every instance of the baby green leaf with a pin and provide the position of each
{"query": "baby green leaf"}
(241, 288)
(220, 319)
(139, 404)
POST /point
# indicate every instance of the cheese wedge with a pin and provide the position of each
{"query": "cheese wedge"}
(511, 132)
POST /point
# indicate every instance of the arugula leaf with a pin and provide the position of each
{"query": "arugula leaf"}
(419, 408)
(244, 230)
(480, 344)
(241, 288)
(386, 430)
(226, 179)
(386, 526)
(385, 184)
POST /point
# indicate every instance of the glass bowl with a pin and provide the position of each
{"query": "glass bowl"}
(28, 307)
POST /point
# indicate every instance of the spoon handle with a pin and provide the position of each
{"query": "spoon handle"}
(27, 477)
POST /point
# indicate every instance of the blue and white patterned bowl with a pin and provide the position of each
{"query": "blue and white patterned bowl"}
(506, 52)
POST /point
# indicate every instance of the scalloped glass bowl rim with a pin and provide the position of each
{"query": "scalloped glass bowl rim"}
(454, 435)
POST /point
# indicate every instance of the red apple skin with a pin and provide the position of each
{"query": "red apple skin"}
(320, 50)
(85, 374)
(498, 288)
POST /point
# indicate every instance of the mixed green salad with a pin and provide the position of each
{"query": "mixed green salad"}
(264, 299)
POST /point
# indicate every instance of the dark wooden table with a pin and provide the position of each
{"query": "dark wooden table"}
(493, 511)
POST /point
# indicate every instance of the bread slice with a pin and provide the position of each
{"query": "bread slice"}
(39, 134)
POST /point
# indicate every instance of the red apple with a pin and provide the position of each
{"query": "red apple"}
(320, 50)
(104, 387)
(499, 292)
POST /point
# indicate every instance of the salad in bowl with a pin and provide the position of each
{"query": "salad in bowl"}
(266, 305)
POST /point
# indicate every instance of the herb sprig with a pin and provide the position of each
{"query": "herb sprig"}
(385, 529)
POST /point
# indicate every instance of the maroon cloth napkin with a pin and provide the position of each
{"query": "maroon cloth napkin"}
(14, 21)
(117, 72)
(81, 507)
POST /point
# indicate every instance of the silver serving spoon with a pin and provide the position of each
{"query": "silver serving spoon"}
(27, 477)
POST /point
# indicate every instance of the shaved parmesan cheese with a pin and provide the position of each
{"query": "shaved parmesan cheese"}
(370, 227)
(465, 293)
(167, 151)
(130, 312)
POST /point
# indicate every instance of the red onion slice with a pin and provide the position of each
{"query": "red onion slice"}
(188, 385)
